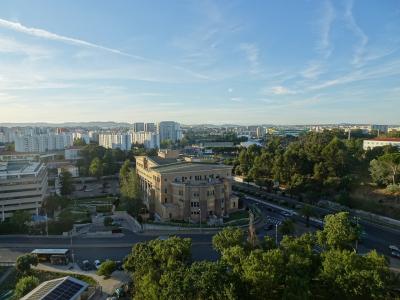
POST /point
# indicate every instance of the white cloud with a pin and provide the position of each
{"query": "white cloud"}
(359, 49)
(313, 70)
(56, 37)
(252, 55)
(324, 45)
(281, 90)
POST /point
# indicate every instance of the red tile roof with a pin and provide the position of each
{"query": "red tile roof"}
(384, 139)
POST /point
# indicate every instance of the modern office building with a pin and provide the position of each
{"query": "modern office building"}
(43, 142)
(150, 127)
(169, 130)
(138, 126)
(380, 142)
(23, 186)
(121, 141)
(150, 140)
(178, 190)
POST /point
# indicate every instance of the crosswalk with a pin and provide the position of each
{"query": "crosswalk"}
(273, 220)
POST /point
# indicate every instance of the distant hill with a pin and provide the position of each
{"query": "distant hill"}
(107, 124)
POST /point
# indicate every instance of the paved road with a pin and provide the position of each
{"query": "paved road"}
(97, 248)
(377, 237)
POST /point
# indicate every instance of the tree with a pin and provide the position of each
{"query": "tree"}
(107, 268)
(386, 168)
(96, 168)
(79, 142)
(307, 211)
(347, 275)
(19, 220)
(338, 232)
(264, 280)
(25, 285)
(66, 183)
(226, 238)
(287, 227)
(24, 262)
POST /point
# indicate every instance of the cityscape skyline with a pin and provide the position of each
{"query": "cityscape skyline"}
(307, 62)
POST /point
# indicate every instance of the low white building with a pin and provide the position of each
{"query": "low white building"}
(72, 153)
(380, 142)
(74, 170)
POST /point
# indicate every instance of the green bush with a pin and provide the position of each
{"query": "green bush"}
(24, 262)
(107, 268)
(25, 285)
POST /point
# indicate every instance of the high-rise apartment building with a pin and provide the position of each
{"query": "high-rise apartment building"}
(43, 142)
(121, 141)
(169, 130)
(138, 126)
(150, 140)
(23, 186)
(150, 127)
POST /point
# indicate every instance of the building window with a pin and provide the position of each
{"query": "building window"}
(165, 190)
(165, 200)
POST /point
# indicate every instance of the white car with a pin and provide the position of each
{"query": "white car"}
(97, 264)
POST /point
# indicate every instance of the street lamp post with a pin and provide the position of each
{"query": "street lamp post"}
(72, 250)
(200, 220)
(276, 235)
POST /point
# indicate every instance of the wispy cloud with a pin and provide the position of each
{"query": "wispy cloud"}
(359, 49)
(252, 55)
(313, 70)
(41, 33)
(324, 45)
(281, 90)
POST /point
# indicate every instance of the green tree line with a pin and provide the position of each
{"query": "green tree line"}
(294, 269)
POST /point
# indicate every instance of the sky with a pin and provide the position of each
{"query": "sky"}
(237, 62)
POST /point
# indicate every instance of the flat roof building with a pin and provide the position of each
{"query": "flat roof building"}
(178, 190)
(380, 142)
(23, 186)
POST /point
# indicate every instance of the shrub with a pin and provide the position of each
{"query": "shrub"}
(25, 285)
(107, 268)
(24, 262)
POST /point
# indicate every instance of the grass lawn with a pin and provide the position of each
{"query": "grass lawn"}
(375, 200)
(237, 215)
(11, 281)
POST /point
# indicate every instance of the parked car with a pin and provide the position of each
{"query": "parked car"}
(97, 264)
(268, 226)
(394, 251)
(86, 266)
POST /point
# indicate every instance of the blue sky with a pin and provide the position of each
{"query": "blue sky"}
(284, 62)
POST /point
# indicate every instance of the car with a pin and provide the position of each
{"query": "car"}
(394, 251)
(97, 264)
(86, 265)
(286, 213)
(268, 227)
(163, 237)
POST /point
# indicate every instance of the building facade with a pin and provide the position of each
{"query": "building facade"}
(121, 141)
(43, 142)
(23, 186)
(150, 140)
(176, 190)
(169, 130)
(380, 142)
